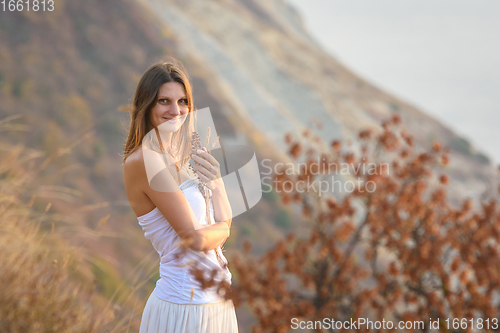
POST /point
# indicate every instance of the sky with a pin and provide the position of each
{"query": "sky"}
(442, 56)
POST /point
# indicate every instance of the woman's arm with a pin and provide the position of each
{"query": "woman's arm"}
(222, 208)
(210, 236)
(174, 206)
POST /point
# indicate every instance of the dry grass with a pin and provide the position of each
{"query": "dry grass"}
(38, 291)
(46, 284)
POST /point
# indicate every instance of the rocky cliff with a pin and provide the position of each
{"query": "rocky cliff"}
(272, 75)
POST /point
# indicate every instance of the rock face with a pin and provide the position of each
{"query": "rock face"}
(273, 78)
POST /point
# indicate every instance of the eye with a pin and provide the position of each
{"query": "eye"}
(162, 101)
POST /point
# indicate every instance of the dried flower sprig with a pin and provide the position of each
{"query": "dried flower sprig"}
(202, 186)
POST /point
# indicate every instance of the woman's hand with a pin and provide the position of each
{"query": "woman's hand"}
(208, 169)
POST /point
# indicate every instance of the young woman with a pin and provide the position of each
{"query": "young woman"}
(172, 209)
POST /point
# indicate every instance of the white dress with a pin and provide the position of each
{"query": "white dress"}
(178, 304)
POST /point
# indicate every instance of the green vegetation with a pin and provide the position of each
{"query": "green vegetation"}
(248, 230)
(271, 197)
(463, 146)
(394, 107)
(283, 219)
(108, 278)
(481, 158)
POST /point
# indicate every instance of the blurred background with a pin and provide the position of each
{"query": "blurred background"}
(441, 56)
(265, 68)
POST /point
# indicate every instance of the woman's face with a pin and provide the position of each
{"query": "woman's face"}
(171, 107)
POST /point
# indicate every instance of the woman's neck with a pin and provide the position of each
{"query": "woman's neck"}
(166, 138)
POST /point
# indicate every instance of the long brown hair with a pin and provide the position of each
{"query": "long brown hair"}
(146, 97)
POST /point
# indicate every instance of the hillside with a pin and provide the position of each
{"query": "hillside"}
(63, 77)
(280, 80)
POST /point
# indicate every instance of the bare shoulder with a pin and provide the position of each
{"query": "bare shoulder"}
(134, 165)
(135, 181)
(143, 193)
(135, 157)
(135, 170)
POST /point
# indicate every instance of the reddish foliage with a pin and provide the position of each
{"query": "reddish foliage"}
(336, 145)
(295, 150)
(444, 179)
(397, 260)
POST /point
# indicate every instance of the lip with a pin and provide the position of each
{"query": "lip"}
(171, 119)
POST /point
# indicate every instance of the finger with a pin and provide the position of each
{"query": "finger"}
(204, 177)
(200, 169)
(210, 163)
(203, 162)
(209, 158)
(211, 172)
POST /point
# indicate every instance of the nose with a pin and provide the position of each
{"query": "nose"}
(174, 111)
